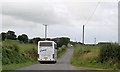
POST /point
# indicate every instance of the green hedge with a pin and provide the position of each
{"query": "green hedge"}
(61, 51)
(11, 55)
(110, 53)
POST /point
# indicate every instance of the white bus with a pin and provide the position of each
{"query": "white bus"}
(47, 51)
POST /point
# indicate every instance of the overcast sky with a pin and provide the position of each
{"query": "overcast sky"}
(64, 19)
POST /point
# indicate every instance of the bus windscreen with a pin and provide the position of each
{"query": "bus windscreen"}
(46, 44)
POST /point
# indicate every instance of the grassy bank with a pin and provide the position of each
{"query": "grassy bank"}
(61, 51)
(0, 55)
(16, 54)
(90, 56)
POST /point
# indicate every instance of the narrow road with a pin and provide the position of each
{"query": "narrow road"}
(62, 64)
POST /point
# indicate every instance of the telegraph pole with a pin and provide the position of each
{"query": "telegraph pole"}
(83, 33)
(45, 30)
(95, 40)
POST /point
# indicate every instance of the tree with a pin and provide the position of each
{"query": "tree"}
(30, 40)
(63, 41)
(23, 38)
(11, 35)
(2, 36)
(48, 39)
(35, 40)
(20, 38)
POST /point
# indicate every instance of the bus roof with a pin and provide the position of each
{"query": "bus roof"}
(46, 41)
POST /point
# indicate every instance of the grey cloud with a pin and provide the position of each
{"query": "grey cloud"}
(57, 13)
(35, 12)
(67, 19)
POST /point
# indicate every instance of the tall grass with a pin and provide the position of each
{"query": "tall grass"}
(61, 51)
(14, 52)
(0, 55)
(91, 56)
(110, 53)
(17, 54)
(23, 46)
(82, 52)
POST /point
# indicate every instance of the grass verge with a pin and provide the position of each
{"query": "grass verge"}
(15, 66)
(87, 56)
(16, 54)
(61, 51)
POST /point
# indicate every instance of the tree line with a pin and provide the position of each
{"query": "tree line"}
(23, 38)
(11, 35)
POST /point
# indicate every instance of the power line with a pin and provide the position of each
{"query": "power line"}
(88, 21)
(92, 13)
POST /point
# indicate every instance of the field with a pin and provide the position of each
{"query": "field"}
(90, 56)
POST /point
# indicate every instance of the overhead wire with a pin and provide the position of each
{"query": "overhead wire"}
(92, 13)
(90, 17)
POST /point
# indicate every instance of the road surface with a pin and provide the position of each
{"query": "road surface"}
(62, 64)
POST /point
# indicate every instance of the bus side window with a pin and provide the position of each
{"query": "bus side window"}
(55, 46)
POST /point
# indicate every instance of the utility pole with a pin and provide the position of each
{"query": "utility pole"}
(83, 33)
(95, 40)
(75, 39)
(45, 30)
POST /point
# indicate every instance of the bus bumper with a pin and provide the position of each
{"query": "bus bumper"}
(46, 59)
(42, 61)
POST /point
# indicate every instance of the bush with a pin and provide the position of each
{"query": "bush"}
(63, 41)
(32, 53)
(104, 43)
(61, 50)
(110, 53)
(11, 55)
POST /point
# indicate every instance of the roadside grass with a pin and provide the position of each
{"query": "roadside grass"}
(22, 47)
(92, 63)
(0, 55)
(26, 54)
(61, 51)
(16, 66)
(87, 56)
